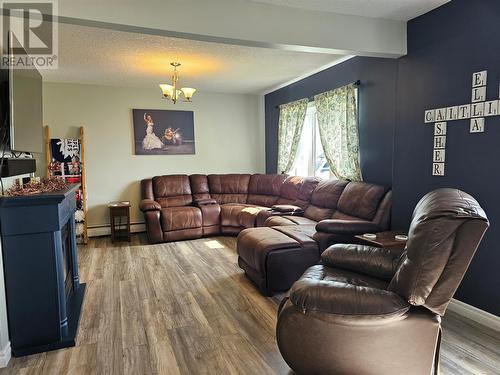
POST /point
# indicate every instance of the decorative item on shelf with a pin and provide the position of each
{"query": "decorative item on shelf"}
(65, 158)
(171, 92)
(37, 186)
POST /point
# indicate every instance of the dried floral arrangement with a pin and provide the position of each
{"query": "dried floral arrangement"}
(44, 185)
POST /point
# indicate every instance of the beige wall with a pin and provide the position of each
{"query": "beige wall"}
(229, 134)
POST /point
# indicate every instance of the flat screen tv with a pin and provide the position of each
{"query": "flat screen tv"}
(22, 106)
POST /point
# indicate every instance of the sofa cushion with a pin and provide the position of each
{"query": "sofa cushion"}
(324, 199)
(275, 259)
(303, 233)
(248, 215)
(275, 221)
(229, 188)
(183, 234)
(264, 189)
(297, 190)
(255, 244)
(239, 215)
(176, 218)
(199, 186)
(361, 199)
(229, 214)
(172, 191)
(372, 261)
(341, 292)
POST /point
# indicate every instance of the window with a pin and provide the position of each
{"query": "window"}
(310, 159)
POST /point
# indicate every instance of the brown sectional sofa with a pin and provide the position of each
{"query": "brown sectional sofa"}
(178, 207)
(299, 217)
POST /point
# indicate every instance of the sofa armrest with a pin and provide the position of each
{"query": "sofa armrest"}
(149, 205)
(336, 226)
(373, 261)
(204, 202)
(288, 209)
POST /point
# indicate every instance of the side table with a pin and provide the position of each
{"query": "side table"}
(119, 229)
(385, 240)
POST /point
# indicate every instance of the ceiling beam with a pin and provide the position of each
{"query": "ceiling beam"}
(245, 23)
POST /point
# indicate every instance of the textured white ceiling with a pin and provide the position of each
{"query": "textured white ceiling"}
(108, 57)
(390, 9)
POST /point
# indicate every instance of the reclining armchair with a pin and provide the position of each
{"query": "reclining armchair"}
(367, 310)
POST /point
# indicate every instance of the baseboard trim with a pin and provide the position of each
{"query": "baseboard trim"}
(5, 355)
(477, 315)
(105, 230)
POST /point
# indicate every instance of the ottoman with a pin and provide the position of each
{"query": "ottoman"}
(275, 257)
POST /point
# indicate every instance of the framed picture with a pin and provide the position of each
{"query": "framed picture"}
(163, 132)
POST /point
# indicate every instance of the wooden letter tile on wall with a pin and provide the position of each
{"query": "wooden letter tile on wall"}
(451, 113)
(464, 111)
(477, 125)
(440, 115)
(479, 78)
(440, 141)
(439, 156)
(440, 128)
(491, 108)
(438, 169)
(479, 94)
(477, 110)
(429, 115)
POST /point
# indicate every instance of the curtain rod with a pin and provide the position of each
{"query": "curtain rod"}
(355, 83)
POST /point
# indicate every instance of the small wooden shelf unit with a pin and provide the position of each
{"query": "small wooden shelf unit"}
(83, 180)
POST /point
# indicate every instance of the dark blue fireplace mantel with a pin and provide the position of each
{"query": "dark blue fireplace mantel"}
(43, 290)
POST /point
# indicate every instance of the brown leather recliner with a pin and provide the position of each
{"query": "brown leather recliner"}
(366, 310)
(168, 209)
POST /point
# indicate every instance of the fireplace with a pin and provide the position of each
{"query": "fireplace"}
(43, 290)
(67, 259)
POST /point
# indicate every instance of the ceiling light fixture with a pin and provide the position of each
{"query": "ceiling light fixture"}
(172, 92)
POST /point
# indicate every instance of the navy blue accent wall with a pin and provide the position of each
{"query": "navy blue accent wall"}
(376, 117)
(445, 47)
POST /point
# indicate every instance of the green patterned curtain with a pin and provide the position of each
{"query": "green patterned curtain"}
(338, 130)
(291, 121)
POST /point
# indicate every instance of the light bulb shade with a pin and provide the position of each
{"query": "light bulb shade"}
(167, 90)
(188, 92)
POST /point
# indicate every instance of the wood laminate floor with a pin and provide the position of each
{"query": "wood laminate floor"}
(186, 308)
